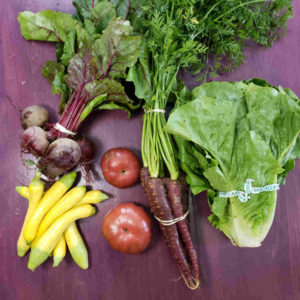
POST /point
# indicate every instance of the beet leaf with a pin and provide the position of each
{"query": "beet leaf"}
(46, 25)
(117, 49)
(94, 51)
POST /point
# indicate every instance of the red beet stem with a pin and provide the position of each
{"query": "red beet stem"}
(74, 126)
(49, 125)
(66, 110)
(73, 109)
(71, 114)
(127, 10)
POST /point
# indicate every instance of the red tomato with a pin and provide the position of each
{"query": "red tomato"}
(127, 228)
(120, 167)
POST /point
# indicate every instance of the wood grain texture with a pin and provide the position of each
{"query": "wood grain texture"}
(269, 272)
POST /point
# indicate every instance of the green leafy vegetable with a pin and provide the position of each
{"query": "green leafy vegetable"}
(222, 27)
(50, 69)
(102, 14)
(129, 7)
(232, 132)
(46, 25)
(69, 48)
(84, 8)
(54, 72)
(81, 70)
(296, 150)
(117, 49)
(116, 93)
(95, 15)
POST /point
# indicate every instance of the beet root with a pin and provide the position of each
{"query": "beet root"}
(62, 155)
(34, 115)
(34, 140)
(87, 148)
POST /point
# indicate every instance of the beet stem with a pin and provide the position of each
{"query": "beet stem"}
(74, 126)
(127, 10)
(71, 114)
(66, 110)
(72, 110)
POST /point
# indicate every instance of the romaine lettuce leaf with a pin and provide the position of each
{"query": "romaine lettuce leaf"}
(242, 131)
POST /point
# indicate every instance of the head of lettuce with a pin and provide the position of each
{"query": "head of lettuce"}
(230, 133)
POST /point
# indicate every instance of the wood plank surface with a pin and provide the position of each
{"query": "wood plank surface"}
(229, 273)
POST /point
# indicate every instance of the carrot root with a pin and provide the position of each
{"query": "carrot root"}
(162, 195)
(178, 196)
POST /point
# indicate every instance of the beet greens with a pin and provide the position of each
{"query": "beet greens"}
(94, 50)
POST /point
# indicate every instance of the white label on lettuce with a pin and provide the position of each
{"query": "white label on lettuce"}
(244, 196)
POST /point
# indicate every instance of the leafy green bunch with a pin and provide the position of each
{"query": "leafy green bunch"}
(222, 27)
(228, 133)
(94, 50)
(165, 50)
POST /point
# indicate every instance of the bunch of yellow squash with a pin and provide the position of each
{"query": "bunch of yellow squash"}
(50, 220)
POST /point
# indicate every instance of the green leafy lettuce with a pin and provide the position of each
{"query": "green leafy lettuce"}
(231, 132)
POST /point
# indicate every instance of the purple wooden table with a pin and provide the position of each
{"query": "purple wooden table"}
(269, 272)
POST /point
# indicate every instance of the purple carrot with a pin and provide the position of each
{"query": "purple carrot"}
(156, 195)
(178, 194)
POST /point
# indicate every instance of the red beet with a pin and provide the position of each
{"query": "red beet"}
(34, 140)
(34, 115)
(87, 149)
(87, 155)
(62, 155)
